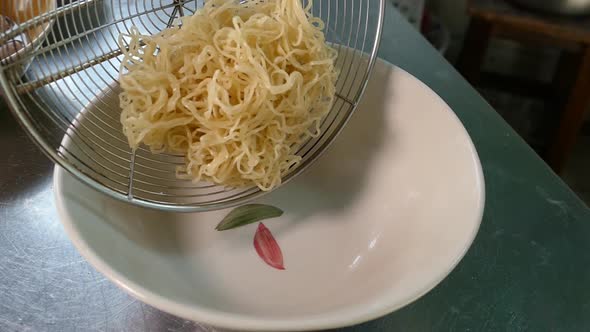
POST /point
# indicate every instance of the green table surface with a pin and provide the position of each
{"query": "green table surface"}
(529, 267)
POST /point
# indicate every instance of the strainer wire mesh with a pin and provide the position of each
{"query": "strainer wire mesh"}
(62, 88)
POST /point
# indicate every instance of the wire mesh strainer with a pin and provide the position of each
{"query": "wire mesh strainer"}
(67, 100)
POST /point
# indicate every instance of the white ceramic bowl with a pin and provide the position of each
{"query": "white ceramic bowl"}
(376, 223)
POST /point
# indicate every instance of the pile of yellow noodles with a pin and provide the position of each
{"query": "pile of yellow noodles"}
(236, 89)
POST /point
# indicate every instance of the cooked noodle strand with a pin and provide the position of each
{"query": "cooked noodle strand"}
(236, 89)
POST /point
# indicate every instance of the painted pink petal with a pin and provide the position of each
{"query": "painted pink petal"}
(267, 247)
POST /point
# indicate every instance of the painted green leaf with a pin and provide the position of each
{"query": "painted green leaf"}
(248, 214)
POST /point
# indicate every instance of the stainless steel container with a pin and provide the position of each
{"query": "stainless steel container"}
(567, 7)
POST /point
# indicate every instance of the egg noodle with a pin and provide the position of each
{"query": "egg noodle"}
(236, 88)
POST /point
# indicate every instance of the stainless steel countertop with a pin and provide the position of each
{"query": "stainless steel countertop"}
(527, 269)
(44, 283)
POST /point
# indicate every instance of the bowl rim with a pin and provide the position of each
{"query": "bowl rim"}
(247, 195)
(334, 319)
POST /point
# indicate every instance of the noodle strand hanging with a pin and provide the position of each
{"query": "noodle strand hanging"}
(236, 89)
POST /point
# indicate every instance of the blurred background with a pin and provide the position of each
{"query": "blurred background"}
(530, 59)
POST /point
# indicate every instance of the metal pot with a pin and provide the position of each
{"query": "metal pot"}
(567, 7)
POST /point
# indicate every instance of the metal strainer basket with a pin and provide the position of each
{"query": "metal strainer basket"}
(67, 100)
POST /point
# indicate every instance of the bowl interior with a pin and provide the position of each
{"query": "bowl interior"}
(377, 222)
